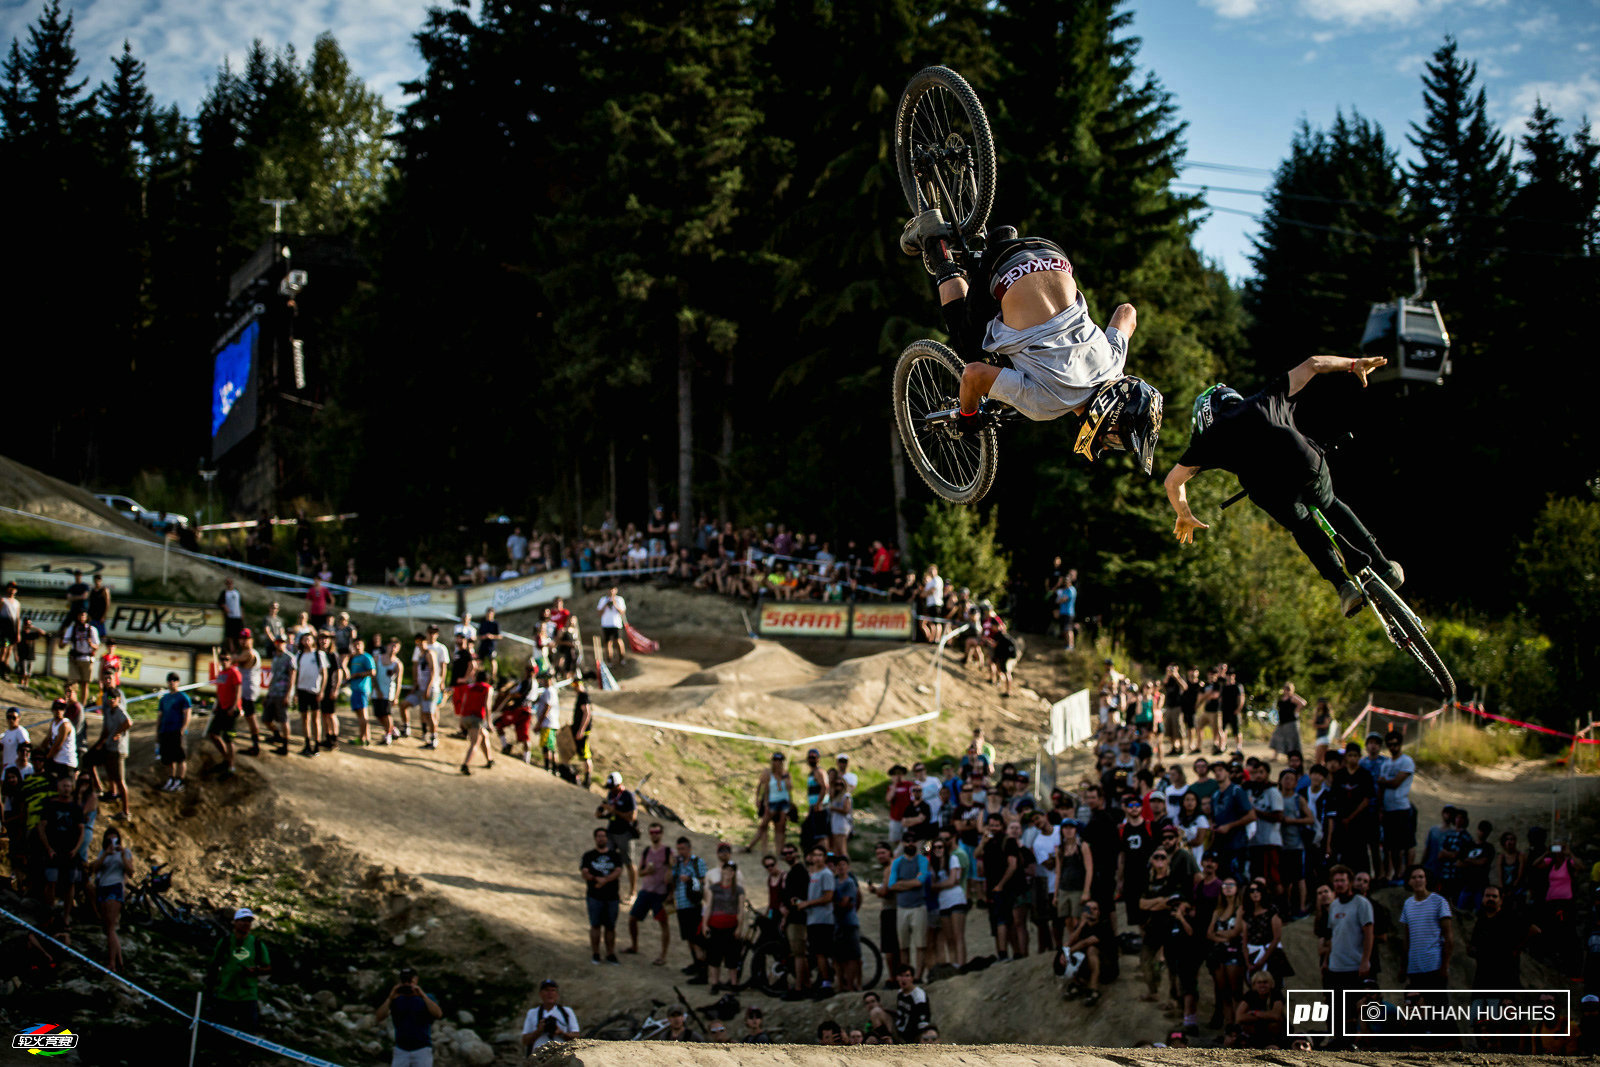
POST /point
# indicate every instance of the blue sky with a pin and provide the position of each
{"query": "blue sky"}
(1244, 72)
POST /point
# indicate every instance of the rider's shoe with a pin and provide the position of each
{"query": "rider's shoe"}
(978, 421)
(1393, 575)
(919, 228)
(1351, 599)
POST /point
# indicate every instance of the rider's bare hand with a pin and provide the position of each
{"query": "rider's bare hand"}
(1366, 365)
(1185, 527)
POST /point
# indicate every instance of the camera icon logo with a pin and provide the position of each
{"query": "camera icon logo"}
(1372, 1012)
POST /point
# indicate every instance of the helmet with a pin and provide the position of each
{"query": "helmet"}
(1208, 404)
(614, 778)
(1123, 416)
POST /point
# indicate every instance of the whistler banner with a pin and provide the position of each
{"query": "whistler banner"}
(137, 620)
(514, 594)
(52, 570)
(881, 621)
(805, 620)
(434, 604)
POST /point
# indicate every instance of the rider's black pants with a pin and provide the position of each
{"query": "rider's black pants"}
(1293, 512)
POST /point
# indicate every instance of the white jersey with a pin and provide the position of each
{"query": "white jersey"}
(547, 709)
(611, 609)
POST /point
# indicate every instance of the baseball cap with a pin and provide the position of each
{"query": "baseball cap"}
(1590, 998)
(548, 983)
(243, 913)
(841, 758)
(246, 632)
(614, 778)
(779, 755)
(1374, 735)
(813, 752)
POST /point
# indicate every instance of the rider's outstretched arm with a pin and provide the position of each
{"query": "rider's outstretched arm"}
(1178, 496)
(1359, 366)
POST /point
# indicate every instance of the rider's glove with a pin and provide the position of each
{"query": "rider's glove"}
(937, 260)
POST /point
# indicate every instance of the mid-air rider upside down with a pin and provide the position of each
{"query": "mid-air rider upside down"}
(1031, 312)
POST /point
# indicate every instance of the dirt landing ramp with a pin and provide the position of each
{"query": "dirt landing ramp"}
(667, 1054)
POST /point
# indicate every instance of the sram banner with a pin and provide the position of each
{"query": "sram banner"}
(882, 621)
(53, 570)
(137, 620)
(810, 620)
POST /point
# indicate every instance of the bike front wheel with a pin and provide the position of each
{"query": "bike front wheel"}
(944, 150)
(927, 388)
(768, 968)
(871, 964)
(1407, 632)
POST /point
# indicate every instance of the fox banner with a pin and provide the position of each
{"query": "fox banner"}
(139, 620)
(805, 620)
(883, 622)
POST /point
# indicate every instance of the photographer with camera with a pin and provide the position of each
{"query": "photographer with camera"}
(414, 1012)
(549, 1020)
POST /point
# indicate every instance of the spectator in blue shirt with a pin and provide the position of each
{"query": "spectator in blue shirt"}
(413, 1012)
(1231, 813)
(908, 881)
(174, 710)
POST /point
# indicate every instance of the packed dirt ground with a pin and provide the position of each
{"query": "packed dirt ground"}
(363, 859)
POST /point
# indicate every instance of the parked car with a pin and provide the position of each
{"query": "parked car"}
(130, 508)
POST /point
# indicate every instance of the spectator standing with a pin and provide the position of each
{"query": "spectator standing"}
(1498, 939)
(61, 832)
(933, 605)
(908, 880)
(99, 605)
(310, 667)
(237, 965)
(912, 1011)
(363, 668)
(1354, 792)
(60, 744)
(474, 715)
(846, 925)
(174, 711)
(388, 673)
(111, 758)
(582, 727)
(621, 812)
(774, 801)
(81, 643)
(516, 546)
(1350, 939)
(489, 644)
(601, 869)
(344, 632)
(13, 739)
(232, 606)
(318, 600)
(248, 660)
(1267, 847)
(77, 594)
(1232, 812)
(428, 672)
(549, 1020)
(655, 882)
(26, 641)
(688, 887)
(414, 1013)
(817, 907)
(110, 872)
(1286, 738)
(1425, 926)
(1232, 702)
(10, 630)
(225, 717)
(613, 611)
(721, 915)
(272, 624)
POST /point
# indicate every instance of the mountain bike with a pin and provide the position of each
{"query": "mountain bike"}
(147, 903)
(765, 962)
(625, 1026)
(654, 806)
(1399, 621)
(944, 153)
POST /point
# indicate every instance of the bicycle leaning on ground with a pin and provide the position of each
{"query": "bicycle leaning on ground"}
(147, 904)
(626, 1026)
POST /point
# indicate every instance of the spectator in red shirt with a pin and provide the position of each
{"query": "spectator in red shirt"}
(110, 669)
(901, 789)
(318, 599)
(474, 713)
(225, 719)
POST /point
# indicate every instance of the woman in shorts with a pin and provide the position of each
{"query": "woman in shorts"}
(722, 910)
(109, 873)
(1322, 725)
(953, 906)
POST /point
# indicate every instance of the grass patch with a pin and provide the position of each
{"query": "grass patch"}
(1464, 744)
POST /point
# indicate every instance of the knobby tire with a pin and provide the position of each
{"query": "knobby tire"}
(928, 117)
(927, 378)
(1405, 632)
(616, 1028)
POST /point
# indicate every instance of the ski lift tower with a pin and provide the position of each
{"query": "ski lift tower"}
(1410, 332)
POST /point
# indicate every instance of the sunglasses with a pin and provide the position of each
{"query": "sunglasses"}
(1162, 856)
(768, 864)
(1256, 890)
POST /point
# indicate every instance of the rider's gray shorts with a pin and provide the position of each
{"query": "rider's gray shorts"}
(1023, 384)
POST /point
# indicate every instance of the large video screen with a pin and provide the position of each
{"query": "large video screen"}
(233, 390)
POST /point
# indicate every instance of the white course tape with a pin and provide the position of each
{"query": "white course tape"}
(690, 728)
(259, 1042)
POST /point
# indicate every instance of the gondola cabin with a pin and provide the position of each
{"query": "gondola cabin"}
(1411, 333)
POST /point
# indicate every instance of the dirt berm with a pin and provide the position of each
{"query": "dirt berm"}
(667, 1054)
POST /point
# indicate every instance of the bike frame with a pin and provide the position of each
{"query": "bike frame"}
(1364, 577)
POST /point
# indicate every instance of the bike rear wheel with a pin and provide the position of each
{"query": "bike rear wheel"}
(944, 150)
(767, 968)
(871, 964)
(927, 385)
(1408, 633)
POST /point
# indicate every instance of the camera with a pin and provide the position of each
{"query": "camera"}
(550, 1027)
(1372, 1012)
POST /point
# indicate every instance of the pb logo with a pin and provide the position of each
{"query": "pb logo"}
(1310, 1012)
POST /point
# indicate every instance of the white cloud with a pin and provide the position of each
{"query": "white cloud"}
(1583, 46)
(1323, 36)
(1235, 9)
(183, 42)
(1410, 64)
(1310, 55)
(1368, 13)
(1537, 26)
(1573, 101)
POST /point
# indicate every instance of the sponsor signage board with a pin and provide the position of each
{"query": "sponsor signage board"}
(888, 622)
(53, 570)
(514, 594)
(805, 620)
(422, 603)
(139, 620)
